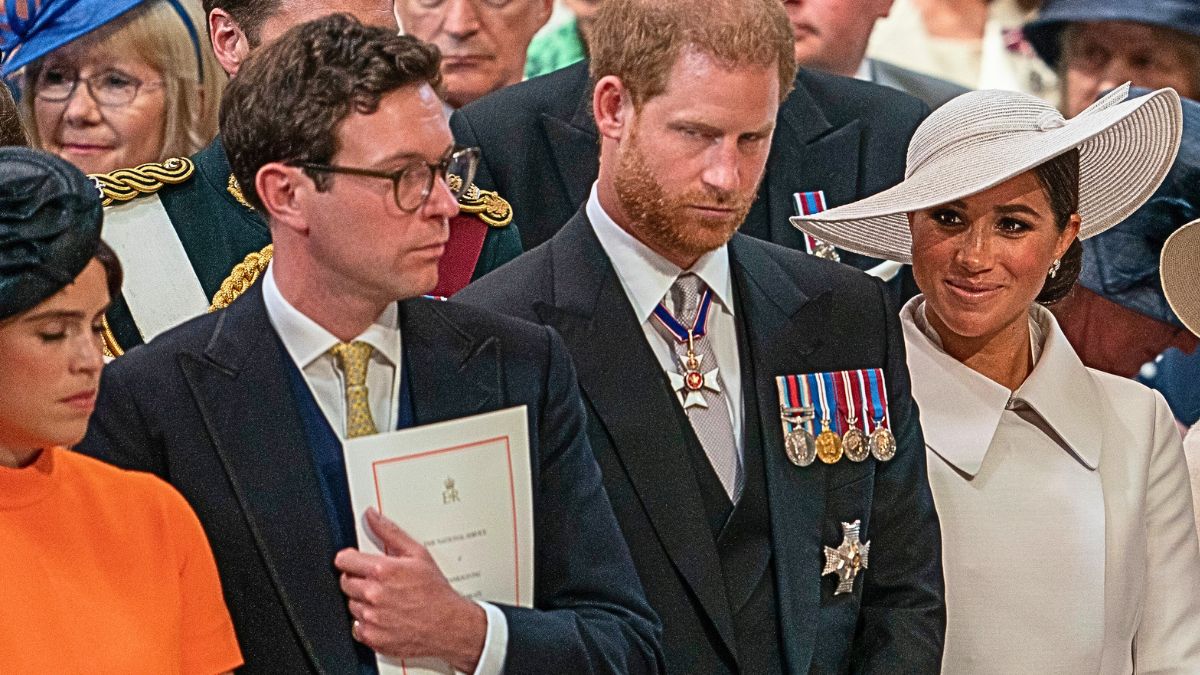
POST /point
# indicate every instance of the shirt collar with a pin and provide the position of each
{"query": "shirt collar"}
(305, 340)
(961, 409)
(645, 275)
(865, 72)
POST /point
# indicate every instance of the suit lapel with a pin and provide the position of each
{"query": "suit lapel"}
(574, 144)
(248, 408)
(452, 373)
(808, 154)
(783, 331)
(626, 387)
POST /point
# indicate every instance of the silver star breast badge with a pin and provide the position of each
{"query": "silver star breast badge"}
(847, 559)
(691, 384)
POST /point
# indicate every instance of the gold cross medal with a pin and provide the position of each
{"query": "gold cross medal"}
(847, 559)
(691, 384)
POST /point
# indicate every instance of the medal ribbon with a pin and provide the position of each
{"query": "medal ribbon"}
(808, 203)
(879, 408)
(822, 383)
(789, 387)
(846, 393)
(862, 392)
(699, 325)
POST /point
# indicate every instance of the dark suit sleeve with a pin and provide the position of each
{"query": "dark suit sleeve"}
(592, 615)
(118, 432)
(902, 622)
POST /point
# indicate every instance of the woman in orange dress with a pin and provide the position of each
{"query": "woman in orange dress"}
(101, 570)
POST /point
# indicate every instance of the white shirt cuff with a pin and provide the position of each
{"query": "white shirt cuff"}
(495, 645)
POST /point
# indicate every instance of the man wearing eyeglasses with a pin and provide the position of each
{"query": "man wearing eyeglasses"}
(245, 411)
(483, 42)
(192, 214)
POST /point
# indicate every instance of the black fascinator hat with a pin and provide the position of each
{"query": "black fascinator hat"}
(50, 217)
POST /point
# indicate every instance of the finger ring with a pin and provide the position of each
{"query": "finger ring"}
(354, 630)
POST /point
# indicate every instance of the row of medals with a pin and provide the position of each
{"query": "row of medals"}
(803, 448)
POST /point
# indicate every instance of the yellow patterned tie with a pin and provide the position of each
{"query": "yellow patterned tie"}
(352, 359)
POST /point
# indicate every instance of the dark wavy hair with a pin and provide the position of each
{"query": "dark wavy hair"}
(1059, 178)
(288, 100)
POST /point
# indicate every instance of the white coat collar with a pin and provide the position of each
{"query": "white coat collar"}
(961, 409)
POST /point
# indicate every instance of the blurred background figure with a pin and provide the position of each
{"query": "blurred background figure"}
(560, 46)
(1181, 284)
(483, 42)
(102, 570)
(974, 43)
(1118, 318)
(832, 35)
(1097, 45)
(11, 132)
(108, 84)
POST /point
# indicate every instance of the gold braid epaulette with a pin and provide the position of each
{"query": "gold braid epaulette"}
(241, 277)
(123, 185)
(489, 206)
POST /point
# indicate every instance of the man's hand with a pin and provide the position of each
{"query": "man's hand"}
(403, 604)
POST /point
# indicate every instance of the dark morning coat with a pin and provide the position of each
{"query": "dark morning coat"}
(796, 314)
(209, 407)
(541, 149)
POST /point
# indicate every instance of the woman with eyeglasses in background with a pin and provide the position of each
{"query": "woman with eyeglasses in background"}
(110, 84)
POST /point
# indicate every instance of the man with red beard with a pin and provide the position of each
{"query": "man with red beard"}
(717, 368)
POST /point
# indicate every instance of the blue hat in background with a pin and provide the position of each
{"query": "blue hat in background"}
(50, 24)
(1045, 32)
(1122, 263)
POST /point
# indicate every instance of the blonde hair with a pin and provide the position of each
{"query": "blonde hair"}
(639, 41)
(156, 34)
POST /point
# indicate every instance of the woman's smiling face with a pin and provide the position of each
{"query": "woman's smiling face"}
(982, 260)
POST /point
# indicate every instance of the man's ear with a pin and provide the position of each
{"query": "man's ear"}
(612, 107)
(229, 42)
(282, 190)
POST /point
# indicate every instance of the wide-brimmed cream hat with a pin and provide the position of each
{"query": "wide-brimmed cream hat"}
(983, 138)
(1179, 268)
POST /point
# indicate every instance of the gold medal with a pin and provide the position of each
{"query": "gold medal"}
(854, 444)
(829, 445)
(801, 447)
(883, 444)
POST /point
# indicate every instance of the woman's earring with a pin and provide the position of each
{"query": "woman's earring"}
(1054, 268)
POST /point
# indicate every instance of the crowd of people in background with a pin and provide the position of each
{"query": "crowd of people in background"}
(855, 336)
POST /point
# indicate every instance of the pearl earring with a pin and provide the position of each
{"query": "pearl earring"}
(1054, 268)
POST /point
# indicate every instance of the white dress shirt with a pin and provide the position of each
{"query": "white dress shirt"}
(308, 345)
(647, 276)
(1067, 539)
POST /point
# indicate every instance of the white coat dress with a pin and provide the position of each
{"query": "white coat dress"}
(1067, 529)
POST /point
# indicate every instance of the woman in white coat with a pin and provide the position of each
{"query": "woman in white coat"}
(1062, 491)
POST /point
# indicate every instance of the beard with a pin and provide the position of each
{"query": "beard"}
(663, 222)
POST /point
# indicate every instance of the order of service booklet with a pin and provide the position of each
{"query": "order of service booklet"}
(462, 488)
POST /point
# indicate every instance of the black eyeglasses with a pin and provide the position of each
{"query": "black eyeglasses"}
(413, 183)
(112, 88)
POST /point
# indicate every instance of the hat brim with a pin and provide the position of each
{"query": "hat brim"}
(77, 21)
(1177, 267)
(1125, 152)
